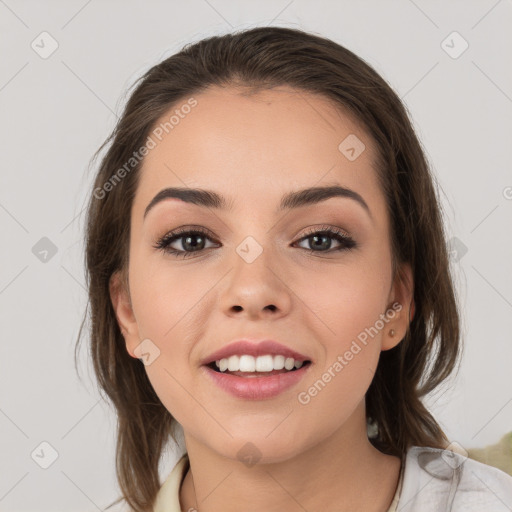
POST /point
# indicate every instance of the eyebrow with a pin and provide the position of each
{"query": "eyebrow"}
(291, 200)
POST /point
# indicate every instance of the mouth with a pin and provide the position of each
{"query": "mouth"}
(256, 370)
(218, 367)
(255, 385)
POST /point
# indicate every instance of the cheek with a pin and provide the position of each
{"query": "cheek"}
(165, 300)
(164, 295)
(171, 305)
(347, 303)
(345, 298)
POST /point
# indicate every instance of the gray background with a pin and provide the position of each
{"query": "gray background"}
(56, 111)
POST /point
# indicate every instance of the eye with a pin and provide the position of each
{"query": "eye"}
(192, 240)
(319, 239)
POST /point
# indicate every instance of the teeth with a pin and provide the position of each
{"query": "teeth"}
(278, 362)
(263, 363)
(266, 363)
(288, 363)
(247, 364)
(233, 363)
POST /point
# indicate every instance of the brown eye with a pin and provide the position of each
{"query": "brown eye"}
(319, 240)
(190, 241)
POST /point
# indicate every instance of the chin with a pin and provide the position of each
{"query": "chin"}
(259, 449)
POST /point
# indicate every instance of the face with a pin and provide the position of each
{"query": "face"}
(316, 278)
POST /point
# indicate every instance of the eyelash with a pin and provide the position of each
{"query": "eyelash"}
(335, 233)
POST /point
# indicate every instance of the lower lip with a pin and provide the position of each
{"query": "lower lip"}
(256, 388)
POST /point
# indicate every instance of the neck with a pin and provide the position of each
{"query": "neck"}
(342, 473)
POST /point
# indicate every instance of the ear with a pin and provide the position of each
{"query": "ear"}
(400, 308)
(120, 297)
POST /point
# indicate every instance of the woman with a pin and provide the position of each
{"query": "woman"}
(268, 267)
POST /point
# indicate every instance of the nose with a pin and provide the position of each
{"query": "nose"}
(256, 290)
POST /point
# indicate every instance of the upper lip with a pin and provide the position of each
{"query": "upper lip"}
(255, 349)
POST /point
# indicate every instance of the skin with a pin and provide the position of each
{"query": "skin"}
(253, 149)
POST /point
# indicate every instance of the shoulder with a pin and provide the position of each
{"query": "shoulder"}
(439, 480)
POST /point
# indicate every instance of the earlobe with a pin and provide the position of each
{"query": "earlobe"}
(120, 297)
(402, 293)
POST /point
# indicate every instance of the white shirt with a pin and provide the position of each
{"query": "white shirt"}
(432, 480)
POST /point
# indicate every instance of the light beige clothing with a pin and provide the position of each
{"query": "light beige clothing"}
(431, 480)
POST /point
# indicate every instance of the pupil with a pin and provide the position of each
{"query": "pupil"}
(324, 238)
(192, 244)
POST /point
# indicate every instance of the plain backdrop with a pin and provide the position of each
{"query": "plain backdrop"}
(56, 109)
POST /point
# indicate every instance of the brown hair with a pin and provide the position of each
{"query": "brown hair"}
(261, 58)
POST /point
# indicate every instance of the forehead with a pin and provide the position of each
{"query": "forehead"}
(254, 145)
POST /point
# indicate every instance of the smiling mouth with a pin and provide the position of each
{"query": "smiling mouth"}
(249, 374)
